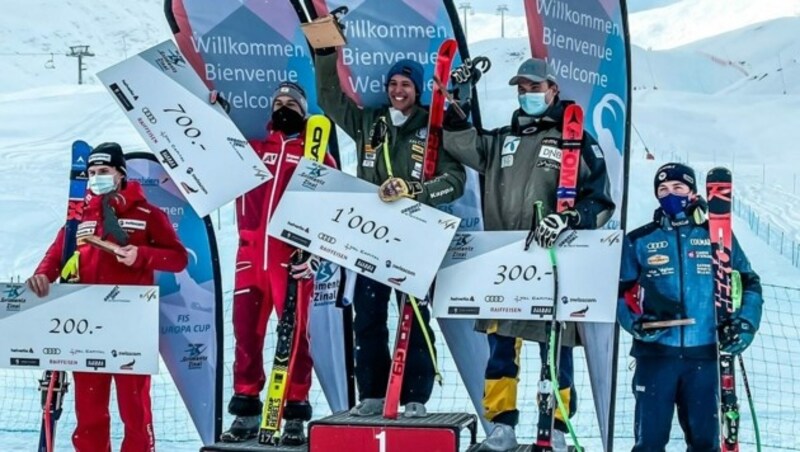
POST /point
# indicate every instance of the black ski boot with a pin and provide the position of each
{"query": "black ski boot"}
(294, 433)
(247, 410)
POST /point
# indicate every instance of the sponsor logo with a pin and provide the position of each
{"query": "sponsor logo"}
(113, 295)
(462, 298)
(565, 299)
(127, 223)
(397, 280)
(410, 210)
(167, 159)
(365, 266)
(655, 246)
(521, 298)
(542, 310)
(170, 61)
(13, 307)
(422, 133)
(463, 310)
(116, 353)
(510, 145)
(126, 104)
(612, 239)
(550, 153)
(295, 238)
(703, 269)
(63, 362)
(699, 254)
(390, 264)
(506, 161)
(29, 362)
(270, 158)
(51, 351)
(190, 171)
(149, 295)
(333, 252)
(658, 259)
(505, 309)
(313, 178)
(568, 240)
(700, 242)
(13, 293)
(188, 188)
(301, 228)
(194, 355)
(185, 328)
(494, 298)
(548, 165)
(87, 351)
(22, 350)
(259, 173)
(95, 363)
(148, 114)
(449, 224)
(128, 366)
(597, 151)
(130, 90)
(326, 238)
(460, 246)
(580, 313)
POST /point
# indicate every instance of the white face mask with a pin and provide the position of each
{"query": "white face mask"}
(397, 116)
(100, 184)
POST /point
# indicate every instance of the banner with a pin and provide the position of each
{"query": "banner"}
(244, 50)
(80, 328)
(588, 46)
(190, 319)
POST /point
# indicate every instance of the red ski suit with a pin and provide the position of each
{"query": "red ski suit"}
(158, 249)
(261, 278)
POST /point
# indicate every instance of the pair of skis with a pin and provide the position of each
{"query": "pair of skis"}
(727, 297)
(318, 128)
(548, 396)
(54, 384)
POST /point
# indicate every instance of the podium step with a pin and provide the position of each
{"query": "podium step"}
(438, 432)
(251, 446)
(520, 448)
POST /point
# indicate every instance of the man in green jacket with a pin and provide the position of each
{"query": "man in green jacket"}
(390, 147)
(521, 165)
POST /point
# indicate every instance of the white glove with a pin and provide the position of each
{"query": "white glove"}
(552, 226)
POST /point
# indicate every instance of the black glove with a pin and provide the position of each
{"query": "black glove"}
(735, 335)
(215, 97)
(453, 122)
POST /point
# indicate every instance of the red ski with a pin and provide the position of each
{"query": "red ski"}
(719, 190)
(572, 137)
(444, 61)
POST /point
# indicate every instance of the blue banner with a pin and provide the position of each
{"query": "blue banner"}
(190, 321)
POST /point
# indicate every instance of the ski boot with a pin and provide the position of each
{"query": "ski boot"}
(501, 439)
(559, 441)
(415, 410)
(368, 407)
(294, 433)
(247, 410)
(242, 429)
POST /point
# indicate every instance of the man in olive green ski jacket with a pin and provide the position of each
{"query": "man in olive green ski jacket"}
(521, 165)
(390, 147)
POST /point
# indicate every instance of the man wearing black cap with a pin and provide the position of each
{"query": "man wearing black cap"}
(115, 210)
(521, 164)
(666, 274)
(261, 277)
(390, 148)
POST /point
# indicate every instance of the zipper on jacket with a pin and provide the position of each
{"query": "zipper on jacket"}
(272, 198)
(680, 279)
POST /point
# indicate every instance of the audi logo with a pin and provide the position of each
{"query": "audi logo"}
(652, 246)
(494, 298)
(326, 238)
(51, 351)
(149, 115)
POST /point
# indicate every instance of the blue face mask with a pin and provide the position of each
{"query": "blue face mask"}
(533, 104)
(101, 184)
(673, 204)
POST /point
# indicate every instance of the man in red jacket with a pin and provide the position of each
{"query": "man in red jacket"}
(261, 277)
(114, 209)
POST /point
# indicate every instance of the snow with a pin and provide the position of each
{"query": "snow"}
(721, 68)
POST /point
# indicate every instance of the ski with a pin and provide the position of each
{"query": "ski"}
(719, 190)
(318, 131)
(547, 398)
(444, 61)
(318, 128)
(54, 384)
(272, 415)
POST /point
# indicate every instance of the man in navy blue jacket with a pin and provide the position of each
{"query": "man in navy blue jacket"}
(666, 275)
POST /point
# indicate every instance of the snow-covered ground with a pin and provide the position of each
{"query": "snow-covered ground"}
(721, 85)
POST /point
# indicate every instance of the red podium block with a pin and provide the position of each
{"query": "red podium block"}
(440, 432)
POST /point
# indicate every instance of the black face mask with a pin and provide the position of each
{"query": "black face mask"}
(287, 121)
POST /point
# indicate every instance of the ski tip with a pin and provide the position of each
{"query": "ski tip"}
(719, 174)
